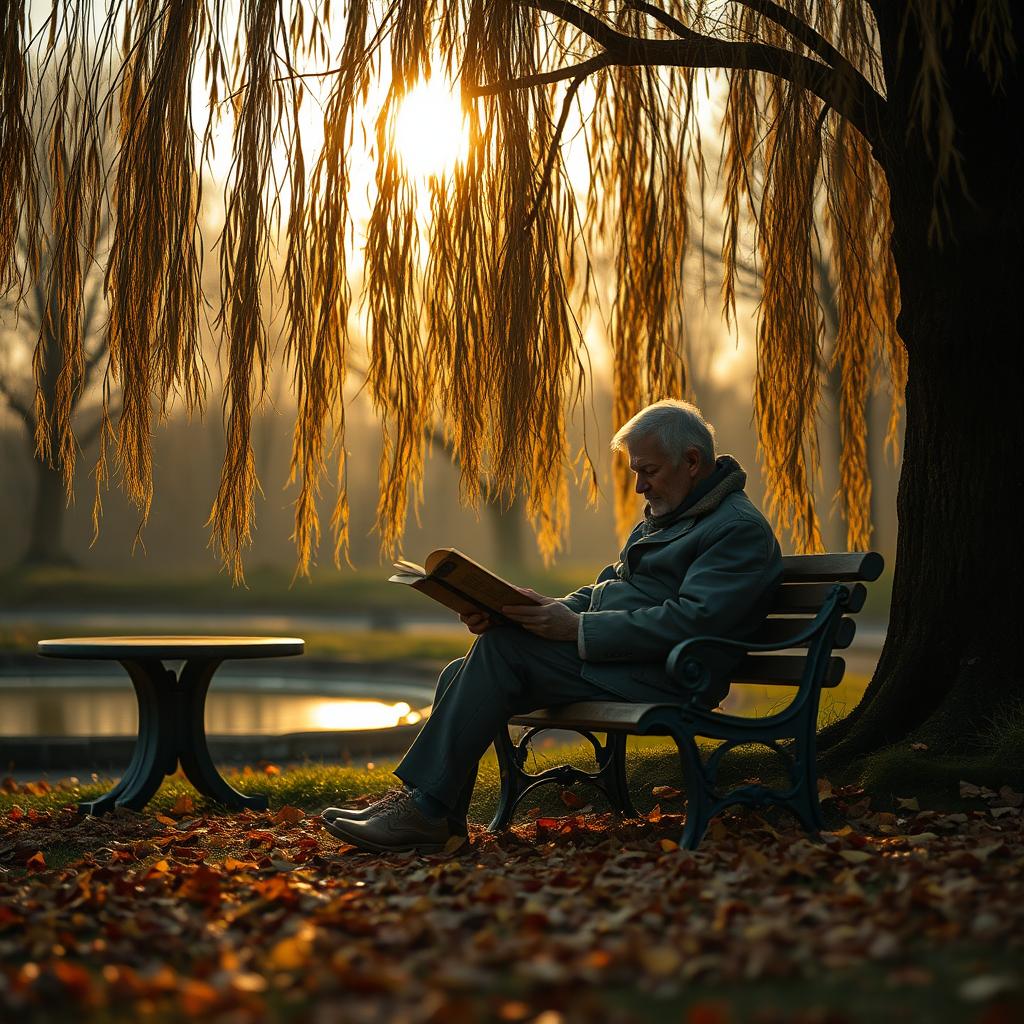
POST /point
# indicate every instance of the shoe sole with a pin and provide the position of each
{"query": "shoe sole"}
(365, 844)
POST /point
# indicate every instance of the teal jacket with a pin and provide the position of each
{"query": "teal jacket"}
(712, 573)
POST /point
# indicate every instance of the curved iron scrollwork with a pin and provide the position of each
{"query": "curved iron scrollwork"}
(516, 782)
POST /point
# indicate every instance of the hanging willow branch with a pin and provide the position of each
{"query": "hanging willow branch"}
(472, 284)
(17, 150)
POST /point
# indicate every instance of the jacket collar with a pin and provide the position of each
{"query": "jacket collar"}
(727, 478)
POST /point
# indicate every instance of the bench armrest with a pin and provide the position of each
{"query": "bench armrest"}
(698, 662)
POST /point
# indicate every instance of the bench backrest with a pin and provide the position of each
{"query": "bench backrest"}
(807, 580)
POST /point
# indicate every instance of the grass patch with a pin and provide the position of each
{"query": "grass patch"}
(314, 785)
(309, 786)
(650, 761)
(759, 701)
(1006, 736)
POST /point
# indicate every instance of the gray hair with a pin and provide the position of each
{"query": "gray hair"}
(677, 425)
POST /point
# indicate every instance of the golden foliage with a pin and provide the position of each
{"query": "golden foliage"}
(472, 314)
(153, 275)
(17, 162)
(787, 387)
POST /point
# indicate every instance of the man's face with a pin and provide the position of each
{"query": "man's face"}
(664, 485)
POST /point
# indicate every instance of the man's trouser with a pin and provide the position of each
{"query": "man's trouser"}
(508, 672)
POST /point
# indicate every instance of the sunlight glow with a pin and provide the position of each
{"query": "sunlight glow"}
(346, 714)
(430, 130)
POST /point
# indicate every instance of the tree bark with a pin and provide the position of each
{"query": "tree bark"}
(950, 666)
(46, 537)
(506, 523)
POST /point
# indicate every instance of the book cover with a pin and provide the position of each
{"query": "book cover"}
(454, 580)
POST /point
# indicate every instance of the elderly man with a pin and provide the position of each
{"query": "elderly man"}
(703, 561)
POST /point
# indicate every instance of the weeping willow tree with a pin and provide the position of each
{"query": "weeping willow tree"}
(897, 125)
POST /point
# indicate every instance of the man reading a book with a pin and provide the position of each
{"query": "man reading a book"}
(703, 561)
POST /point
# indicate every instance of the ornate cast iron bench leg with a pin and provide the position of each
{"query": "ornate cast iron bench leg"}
(512, 780)
(805, 803)
(698, 797)
(610, 778)
(704, 800)
(618, 782)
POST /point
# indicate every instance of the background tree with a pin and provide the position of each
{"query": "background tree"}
(905, 117)
(39, 325)
(34, 329)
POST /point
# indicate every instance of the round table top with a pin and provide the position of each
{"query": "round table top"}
(171, 647)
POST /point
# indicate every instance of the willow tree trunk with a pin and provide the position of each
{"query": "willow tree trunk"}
(951, 664)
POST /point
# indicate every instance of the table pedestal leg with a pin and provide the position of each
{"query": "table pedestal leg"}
(171, 729)
(154, 753)
(192, 749)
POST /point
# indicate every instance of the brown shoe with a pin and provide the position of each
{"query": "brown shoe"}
(361, 813)
(396, 828)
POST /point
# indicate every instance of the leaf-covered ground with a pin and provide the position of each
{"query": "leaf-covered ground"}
(913, 915)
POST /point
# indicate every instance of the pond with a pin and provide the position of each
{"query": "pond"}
(69, 706)
(53, 720)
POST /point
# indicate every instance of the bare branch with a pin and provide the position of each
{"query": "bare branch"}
(853, 98)
(813, 40)
(22, 409)
(549, 163)
(598, 30)
(584, 68)
(672, 24)
(800, 30)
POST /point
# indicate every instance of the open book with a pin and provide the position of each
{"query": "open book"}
(456, 581)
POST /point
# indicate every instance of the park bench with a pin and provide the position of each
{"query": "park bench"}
(810, 617)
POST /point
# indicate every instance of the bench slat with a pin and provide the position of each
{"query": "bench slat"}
(844, 567)
(809, 597)
(597, 715)
(777, 631)
(783, 670)
(761, 669)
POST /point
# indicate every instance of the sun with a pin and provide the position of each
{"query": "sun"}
(430, 130)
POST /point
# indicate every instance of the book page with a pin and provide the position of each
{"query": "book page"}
(403, 565)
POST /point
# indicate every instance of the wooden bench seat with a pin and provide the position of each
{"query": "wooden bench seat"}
(810, 617)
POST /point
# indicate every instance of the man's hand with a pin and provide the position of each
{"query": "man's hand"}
(550, 619)
(476, 622)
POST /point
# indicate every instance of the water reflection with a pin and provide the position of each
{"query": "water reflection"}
(65, 711)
